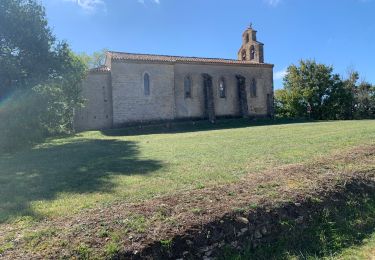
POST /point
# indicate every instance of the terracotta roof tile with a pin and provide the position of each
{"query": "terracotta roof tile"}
(176, 59)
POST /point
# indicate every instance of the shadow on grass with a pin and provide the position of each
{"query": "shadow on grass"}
(81, 167)
(196, 126)
(339, 224)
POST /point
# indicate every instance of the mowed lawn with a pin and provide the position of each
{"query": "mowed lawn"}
(66, 175)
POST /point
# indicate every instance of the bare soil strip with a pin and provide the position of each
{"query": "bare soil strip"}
(198, 223)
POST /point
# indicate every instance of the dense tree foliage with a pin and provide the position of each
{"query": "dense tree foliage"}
(312, 90)
(40, 77)
(364, 103)
(25, 45)
(94, 60)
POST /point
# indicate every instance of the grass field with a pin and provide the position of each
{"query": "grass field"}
(65, 175)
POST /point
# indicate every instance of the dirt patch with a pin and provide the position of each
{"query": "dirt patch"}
(197, 223)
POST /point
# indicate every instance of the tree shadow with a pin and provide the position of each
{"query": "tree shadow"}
(198, 125)
(81, 167)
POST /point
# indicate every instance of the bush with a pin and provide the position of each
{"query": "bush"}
(19, 121)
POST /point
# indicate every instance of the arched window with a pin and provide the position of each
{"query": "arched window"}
(243, 54)
(187, 87)
(252, 52)
(146, 84)
(247, 38)
(253, 88)
(222, 88)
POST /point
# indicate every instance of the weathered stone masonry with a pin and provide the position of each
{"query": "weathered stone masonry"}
(116, 94)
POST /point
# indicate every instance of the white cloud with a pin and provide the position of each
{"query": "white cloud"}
(143, 1)
(94, 5)
(273, 3)
(89, 5)
(280, 74)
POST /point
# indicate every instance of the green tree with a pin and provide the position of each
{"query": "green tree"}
(312, 86)
(288, 104)
(339, 101)
(95, 60)
(60, 95)
(364, 101)
(313, 90)
(26, 45)
(39, 77)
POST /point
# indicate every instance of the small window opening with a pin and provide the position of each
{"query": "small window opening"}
(253, 88)
(252, 52)
(146, 84)
(243, 54)
(187, 87)
(222, 90)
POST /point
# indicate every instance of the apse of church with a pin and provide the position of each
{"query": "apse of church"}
(142, 88)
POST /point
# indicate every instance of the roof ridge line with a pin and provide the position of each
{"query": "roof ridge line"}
(171, 56)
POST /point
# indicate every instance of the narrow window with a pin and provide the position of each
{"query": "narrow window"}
(146, 84)
(222, 90)
(243, 54)
(252, 52)
(247, 38)
(187, 87)
(253, 88)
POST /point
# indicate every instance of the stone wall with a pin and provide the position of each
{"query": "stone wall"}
(97, 113)
(228, 106)
(130, 104)
(117, 98)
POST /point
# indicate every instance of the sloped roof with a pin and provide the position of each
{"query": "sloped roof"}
(120, 56)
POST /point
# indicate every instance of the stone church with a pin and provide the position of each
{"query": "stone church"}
(141, 88)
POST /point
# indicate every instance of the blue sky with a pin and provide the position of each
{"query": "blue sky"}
(335, 32)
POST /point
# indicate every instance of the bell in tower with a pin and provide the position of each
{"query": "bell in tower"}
(251, 50)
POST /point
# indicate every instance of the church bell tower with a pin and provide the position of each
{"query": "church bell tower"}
(251, 50)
